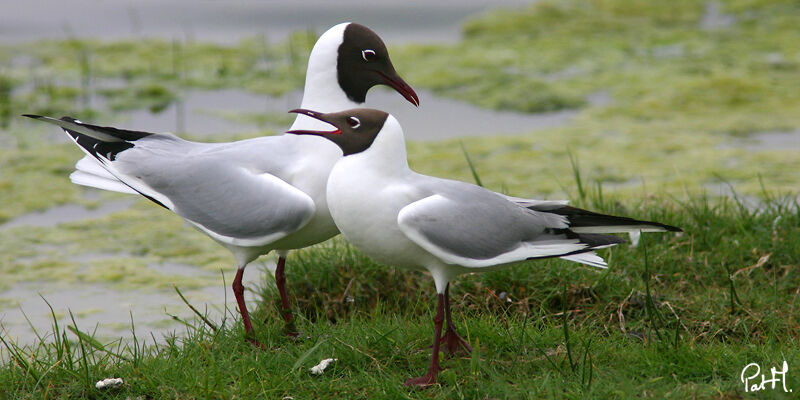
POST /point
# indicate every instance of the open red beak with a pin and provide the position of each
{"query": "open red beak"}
(402, 87)
(315, 115)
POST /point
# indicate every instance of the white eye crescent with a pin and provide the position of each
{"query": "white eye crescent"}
(354, 122)
(368, 55)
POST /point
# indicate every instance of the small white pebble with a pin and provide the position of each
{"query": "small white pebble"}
(109, 383)
(320, 368)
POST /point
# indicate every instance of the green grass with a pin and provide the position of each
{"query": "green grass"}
(665, 320)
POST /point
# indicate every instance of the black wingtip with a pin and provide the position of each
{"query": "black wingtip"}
(598, 240)
(583, 218)
(668, 228)
(673, 228)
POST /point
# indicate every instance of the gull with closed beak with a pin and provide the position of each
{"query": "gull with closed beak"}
(252, 196)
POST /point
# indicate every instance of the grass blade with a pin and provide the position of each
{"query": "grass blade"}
(19, 356)
(195, 311)
(88, 339)
(576, 172)
(566, 330)
(306, 355)
(471, 165)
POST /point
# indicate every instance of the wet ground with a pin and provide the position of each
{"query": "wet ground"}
(108, 311)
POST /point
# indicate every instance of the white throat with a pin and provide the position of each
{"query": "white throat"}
(322, 91)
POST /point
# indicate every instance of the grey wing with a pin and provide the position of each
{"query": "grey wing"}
(473, 227)
(238, 207)
(231, 191)
(218, 191)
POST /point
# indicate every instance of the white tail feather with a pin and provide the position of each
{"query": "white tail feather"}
(89, 172)
(589, 258)
(95, 181)
(91, 166)
(132, 185)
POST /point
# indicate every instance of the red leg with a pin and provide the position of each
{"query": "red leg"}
(280, 281)
(238, 291)
(430, 378)
(453, 343)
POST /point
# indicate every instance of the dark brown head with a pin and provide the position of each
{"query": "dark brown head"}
(354, 130)
(363, 62)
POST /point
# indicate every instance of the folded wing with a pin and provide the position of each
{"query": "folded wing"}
(477, 228)
(224, 190)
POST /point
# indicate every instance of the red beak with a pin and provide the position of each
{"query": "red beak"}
(315, 115)
(402, 87)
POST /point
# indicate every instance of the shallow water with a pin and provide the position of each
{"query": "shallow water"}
(202, 112)
(436, 119)
(108, 311)
(208, 113)
(714, 18)
(68, 213)
(774, 140)
(396, 22)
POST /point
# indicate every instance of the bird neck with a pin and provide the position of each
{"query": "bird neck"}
(387, 154)
(322, 92)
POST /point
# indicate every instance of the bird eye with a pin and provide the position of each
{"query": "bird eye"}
(354, 122)
(368, 55)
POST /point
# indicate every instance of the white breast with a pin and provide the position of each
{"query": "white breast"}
(365, 206)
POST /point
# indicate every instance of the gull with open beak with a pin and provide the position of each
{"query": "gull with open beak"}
(419, 222)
